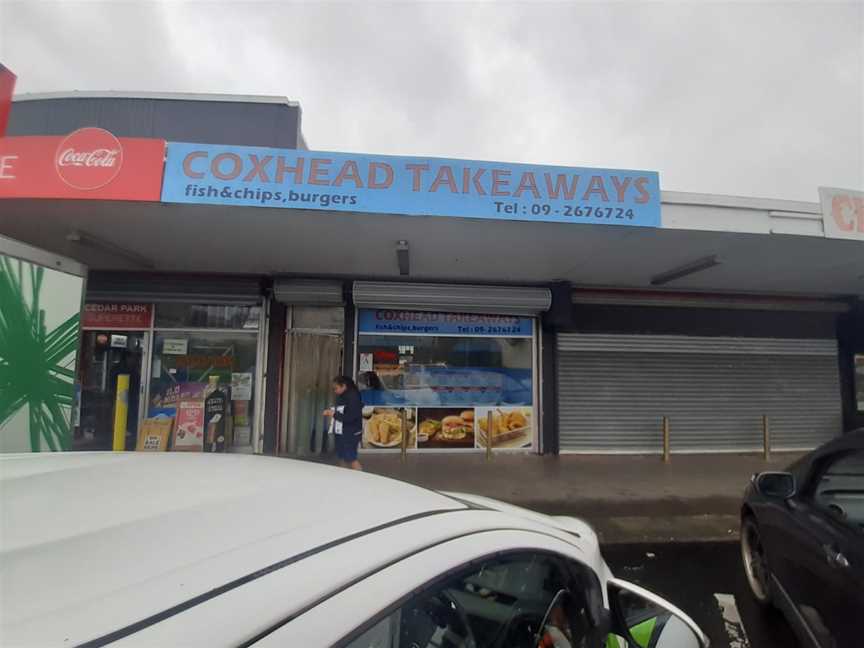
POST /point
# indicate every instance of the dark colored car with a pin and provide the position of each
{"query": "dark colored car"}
(802, 542)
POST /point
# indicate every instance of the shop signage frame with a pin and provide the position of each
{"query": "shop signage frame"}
(88, 164)
(409, 186)
(842, 213)
(385, 321)
(117, 316)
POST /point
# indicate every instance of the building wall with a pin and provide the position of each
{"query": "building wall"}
(246, 123)
(702, 321)
(850, 335)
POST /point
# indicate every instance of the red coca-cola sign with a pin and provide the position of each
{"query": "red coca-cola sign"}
(89, 158)
(30, 167)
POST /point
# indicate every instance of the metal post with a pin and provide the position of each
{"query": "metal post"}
(766, 438)
(489, 421)
(404, 443)
(666, 454)
(121, 413)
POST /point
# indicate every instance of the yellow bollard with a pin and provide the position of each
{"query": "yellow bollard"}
(766, 438)
(489, 420)
(404, 443)
(121, 412)
(667, 457)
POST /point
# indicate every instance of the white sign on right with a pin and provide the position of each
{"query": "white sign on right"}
(179, 346)
(842, 213)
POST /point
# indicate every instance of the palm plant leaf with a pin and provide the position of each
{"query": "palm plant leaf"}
(36, 365)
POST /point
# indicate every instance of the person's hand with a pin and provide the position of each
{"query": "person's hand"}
(328, 411)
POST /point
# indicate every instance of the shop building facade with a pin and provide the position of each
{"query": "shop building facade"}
(467, 318)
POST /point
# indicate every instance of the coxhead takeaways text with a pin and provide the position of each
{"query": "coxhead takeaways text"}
(419, 176)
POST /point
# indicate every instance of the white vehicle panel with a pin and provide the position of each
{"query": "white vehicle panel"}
(240, 614)
(590, 541)
(96, 541)
(334, 618)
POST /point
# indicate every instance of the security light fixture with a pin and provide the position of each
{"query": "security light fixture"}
(402, 258)
(687, 269)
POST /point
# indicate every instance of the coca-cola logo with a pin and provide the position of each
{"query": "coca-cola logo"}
(89, 158)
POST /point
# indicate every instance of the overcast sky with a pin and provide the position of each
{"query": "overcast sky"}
(733, 98)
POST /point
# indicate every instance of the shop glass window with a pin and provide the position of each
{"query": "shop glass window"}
(215, 316)
(186, 368)
(445, 371)
(515, 601)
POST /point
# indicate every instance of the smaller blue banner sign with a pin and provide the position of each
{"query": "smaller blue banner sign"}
(385, 321)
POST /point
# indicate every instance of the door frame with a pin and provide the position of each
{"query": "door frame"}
(285, 369)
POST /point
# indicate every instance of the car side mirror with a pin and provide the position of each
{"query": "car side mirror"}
(641, 619)
(780, 485)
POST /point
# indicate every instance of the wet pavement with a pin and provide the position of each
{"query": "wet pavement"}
(705, 580)
(626, 498)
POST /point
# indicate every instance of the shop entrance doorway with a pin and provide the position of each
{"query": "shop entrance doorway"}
(109, 377)
(313, 356)
(311, 362)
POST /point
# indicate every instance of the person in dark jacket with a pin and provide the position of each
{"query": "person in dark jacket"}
(347, 421)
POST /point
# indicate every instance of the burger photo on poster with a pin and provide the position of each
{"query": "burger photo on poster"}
(445, 428)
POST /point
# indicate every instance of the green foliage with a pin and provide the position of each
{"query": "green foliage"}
(34, 362)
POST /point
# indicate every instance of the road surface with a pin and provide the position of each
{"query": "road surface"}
(705, 580)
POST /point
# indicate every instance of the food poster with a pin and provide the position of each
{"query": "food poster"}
(382, 427)
(154, 434)
(445, 427)
(215, 418)
(512, 427)
(189, 431)
(164, 401)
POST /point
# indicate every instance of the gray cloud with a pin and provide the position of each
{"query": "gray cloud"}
(737, 98)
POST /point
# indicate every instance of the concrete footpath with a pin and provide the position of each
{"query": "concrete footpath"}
(625, 498)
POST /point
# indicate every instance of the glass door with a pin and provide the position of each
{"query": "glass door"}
(109, 377)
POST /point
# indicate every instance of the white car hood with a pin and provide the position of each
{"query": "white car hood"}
(579, 528)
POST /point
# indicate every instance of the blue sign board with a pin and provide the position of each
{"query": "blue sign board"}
(385, 321)
(412, 186)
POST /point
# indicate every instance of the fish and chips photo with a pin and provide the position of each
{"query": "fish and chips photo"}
(511, 427)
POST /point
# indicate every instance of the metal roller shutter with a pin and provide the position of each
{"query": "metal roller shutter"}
(614, 390)
(308, 292)
(503, 300)
(218, 289)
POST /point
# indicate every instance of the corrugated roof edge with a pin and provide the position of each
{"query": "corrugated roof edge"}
(167, 96)
(739, 202)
